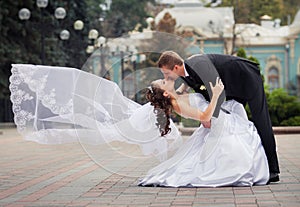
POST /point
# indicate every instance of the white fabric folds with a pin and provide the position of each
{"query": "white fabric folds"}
(228, 154)
(55, 105)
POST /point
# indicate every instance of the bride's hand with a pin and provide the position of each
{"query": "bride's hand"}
(206, 124)
(218, 88)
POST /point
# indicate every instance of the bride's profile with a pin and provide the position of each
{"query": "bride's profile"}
(54, 105)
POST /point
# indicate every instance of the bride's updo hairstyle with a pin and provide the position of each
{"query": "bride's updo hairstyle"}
(162, 108)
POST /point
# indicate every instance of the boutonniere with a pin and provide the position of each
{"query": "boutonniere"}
(202, 87)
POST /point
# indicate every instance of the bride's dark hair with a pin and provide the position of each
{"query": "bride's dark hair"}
(162, 108)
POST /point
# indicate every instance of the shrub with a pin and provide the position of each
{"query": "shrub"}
(293, 121)
(283, 108)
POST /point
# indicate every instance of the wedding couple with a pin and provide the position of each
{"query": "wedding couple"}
(226, 152)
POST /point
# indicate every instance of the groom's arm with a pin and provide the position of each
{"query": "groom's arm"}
(205, 69)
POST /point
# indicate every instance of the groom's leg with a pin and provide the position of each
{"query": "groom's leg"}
(261, 118)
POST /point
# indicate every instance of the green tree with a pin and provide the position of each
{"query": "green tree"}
(20, 40)
(124, 16)
(74, 48)
(290, 8)
(250, 11)
(241, 53)
(94, 13)
(15, 46)
(261, 7)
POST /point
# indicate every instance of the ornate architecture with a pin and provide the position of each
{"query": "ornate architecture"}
(213, 30)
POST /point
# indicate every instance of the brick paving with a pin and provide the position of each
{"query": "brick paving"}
(33, 175)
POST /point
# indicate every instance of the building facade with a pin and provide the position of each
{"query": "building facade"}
(213, 30)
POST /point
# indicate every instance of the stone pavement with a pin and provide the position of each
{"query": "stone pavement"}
(34, 175)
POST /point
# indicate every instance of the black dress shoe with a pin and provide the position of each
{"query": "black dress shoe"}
(274, 177)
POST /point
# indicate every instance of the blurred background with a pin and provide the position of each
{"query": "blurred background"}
(118, 39)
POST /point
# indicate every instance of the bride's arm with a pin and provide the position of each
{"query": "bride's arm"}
(187, 111)
(184, 109)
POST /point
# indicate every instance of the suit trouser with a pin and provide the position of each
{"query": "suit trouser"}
(261, 118)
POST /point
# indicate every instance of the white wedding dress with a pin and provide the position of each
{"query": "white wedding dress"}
(56, 105)
(228, 154)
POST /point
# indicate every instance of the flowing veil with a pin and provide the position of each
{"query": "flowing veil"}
(56, 105)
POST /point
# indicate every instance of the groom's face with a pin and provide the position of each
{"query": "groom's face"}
(168, 73)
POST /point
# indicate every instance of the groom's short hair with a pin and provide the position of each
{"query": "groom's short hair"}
(169, 59)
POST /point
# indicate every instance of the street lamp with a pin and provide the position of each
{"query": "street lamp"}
(133, 60)
(89, 49)
(111, 50)
(93, 35)
(287, 49)
(24, 14)
(42, 4)
(78, 25)
(60, 13)
(136, 58)
(100, 43)
(64, 35)
(122, 50)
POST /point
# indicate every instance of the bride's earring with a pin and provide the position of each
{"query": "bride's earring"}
(166, 94)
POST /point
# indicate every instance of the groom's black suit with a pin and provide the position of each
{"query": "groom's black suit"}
(243, 83)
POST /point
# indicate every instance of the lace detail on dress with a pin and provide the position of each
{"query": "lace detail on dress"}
(35, 89)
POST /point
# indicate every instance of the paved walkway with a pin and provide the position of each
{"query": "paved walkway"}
(64, 175)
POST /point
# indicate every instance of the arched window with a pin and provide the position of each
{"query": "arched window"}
(273, 78)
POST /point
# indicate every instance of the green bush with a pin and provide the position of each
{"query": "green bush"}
(189, 122)
(293, 121)
(283, 108)
(241, 52)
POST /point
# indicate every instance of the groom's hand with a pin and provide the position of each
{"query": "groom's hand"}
(206, 124)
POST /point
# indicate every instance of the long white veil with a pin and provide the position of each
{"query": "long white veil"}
(55, 105)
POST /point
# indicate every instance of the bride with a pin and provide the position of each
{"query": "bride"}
(54, 105)
(228, 154)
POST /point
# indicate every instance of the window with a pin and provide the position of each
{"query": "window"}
(273, 78)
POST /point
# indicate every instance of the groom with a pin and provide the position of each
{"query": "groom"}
(242, 81)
